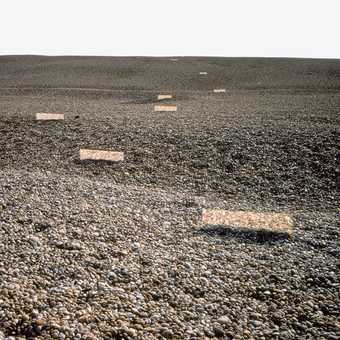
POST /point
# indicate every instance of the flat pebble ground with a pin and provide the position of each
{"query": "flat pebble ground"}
(118, 251)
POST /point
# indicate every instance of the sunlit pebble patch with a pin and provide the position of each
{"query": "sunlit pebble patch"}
(164, 96)
(49, 116)
(165, 108)
(272, 222)
(101, 155)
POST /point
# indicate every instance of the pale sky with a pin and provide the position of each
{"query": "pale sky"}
(277, 28)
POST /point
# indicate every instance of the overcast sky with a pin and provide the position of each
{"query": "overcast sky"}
(286, 28)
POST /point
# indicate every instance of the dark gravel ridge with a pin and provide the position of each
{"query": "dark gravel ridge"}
(118, 251)
(231, 145)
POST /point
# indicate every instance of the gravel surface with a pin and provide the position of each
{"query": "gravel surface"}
(94, 250)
